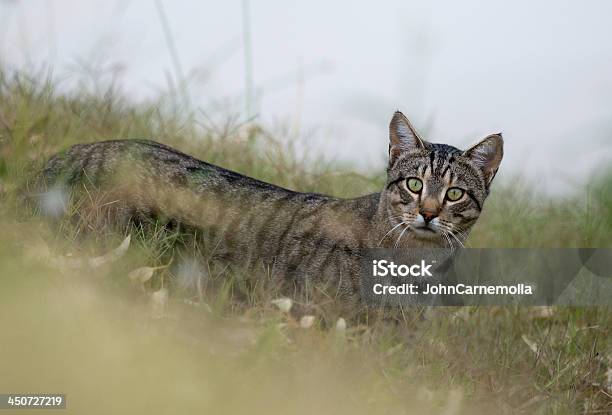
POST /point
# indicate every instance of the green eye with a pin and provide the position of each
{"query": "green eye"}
(415, 185)
(454, 193)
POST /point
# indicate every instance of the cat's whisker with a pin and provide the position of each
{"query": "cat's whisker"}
(449, 240)
(400, 237)
(459, 232)
(462, 233)
(458, 240)
(452, 245)
(392, 229)
(453, 231)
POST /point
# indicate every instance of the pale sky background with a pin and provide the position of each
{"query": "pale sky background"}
(334, 71)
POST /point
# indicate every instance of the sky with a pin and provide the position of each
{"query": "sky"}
(332, 73)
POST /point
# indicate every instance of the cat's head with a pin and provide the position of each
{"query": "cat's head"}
(435, 192)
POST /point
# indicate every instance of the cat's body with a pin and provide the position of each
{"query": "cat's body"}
(300, 238)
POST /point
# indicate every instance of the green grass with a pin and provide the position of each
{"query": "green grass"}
(93, 334)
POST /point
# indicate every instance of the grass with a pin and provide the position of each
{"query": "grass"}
(95, 335)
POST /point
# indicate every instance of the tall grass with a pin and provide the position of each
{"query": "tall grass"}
(113, 347)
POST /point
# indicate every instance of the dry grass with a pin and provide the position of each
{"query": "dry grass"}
(218, 344)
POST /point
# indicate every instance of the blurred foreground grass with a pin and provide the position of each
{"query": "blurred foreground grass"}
(113, 348)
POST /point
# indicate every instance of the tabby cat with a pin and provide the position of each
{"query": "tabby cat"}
(433, 196)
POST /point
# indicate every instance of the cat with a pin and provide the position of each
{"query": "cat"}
(434, 193)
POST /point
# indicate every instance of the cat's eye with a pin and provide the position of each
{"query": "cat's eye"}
(454, 193)
(415, 185)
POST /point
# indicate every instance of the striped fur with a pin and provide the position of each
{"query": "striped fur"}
(303, 238)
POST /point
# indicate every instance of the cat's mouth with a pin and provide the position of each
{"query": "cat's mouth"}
(424, 231)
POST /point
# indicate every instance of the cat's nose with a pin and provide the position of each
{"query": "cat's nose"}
(428, 215)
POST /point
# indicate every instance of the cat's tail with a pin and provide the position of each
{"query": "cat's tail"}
(46, 192)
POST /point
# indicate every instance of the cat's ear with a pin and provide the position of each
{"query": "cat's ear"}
(402, 136)
(487, 155)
